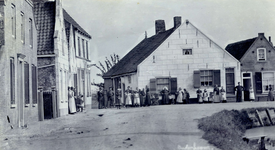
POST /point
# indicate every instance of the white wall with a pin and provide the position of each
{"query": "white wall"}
(170, 61)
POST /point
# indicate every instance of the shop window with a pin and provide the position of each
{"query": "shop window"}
(267, 81)
(261, 54)
(187, 51)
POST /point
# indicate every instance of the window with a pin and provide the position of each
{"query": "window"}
(87, 50)
(129, 79)
(30, 32)
(267, 81)
(34, 85)
(13, 20)
(161, 83)
(157, 84)
(79, 49)
(187, 51)
(61, 85)
(206, 77)
(83, 48)
(12, 81)
(62, 40)
(22, 27)
(261, 54)
(27, 83)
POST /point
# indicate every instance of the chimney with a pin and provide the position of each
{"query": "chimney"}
(260, 34)
(177, 21)
(160, 26)
(269, 39)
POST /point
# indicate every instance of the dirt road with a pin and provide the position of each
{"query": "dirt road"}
(157, 127)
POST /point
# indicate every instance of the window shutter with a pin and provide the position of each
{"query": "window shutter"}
(153, 85)
(258, 80)
(27, 91)
(196, 78)
(217, 77)
(34, 85)
(173, 83)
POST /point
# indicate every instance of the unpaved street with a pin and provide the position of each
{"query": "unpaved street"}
(155, 127)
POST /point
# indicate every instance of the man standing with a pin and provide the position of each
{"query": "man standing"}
(110, 97)
(100, 98)
(239, 90)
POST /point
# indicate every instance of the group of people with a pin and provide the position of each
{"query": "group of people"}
(76, 103)
(132, 98)
(217, 96)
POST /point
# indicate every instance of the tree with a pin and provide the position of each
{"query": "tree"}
(108, 65)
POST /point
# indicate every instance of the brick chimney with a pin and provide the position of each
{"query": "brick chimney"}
(160, 26)
(269, 39)
(177, 21)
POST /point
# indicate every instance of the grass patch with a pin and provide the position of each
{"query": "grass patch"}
(226, 128)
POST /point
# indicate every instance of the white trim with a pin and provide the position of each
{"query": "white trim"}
(258, 54)
(264, 92)
(251, 77)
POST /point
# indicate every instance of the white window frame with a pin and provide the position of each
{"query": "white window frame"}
(208, 81)
(263, 91)
(258, 59)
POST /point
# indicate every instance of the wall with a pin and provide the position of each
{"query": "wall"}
(170, 61)
(249, 61)
(12, 47)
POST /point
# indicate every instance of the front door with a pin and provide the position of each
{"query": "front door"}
(247, 82)
(230, 80)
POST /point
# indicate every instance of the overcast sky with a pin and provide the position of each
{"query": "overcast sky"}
(116, 26)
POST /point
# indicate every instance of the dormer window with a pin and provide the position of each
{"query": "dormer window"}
(187, 51)
(261, 54)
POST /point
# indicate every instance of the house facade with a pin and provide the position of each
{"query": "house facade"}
(18, 64)
(257, 58)
(182, 56)
(57, 62)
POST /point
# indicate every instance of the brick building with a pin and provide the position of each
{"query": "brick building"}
(18, 64)
(182, 56)
(60, 65)
(257, 58)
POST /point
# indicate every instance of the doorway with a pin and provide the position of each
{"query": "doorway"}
(247, 83)
(230, 80)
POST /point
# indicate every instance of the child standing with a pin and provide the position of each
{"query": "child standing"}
(205, 96)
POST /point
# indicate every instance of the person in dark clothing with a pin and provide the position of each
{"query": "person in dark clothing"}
(141, 97)
(100, 98)
(110, 95)
(239, 90)
(147, 98)
(186, 93)
(165, 93)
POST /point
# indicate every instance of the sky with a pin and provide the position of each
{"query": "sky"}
(116, 26)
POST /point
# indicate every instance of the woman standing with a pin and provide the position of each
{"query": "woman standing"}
(128, 98)
(216, 94)
(251, 94)
(72, 108)
(136, 98)
(199, 95)
(141, 97)
(270, 94)
(165, 93)
(180, 96)
(223, 95)
(147, 98)
(118, 98)
(205, 96)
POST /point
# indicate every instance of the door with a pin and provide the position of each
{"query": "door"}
(247, 83)
(230, 80)
(20, 94)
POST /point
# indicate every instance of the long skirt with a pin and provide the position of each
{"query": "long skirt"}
(216, 98)
(128, 100)
(141, 100)
(72, 106)
(179, 98)
(147, 100)
(200, 98)
(223, 96)
(137, 100)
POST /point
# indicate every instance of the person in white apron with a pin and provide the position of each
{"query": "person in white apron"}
(223, 95)
(180, 96)
(199, 95)
(216, 92)
(205, 96)
(251, 94)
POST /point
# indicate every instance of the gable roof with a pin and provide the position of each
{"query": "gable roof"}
(45, 20)
(238, 49)
(69, 19)
(129, 63)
